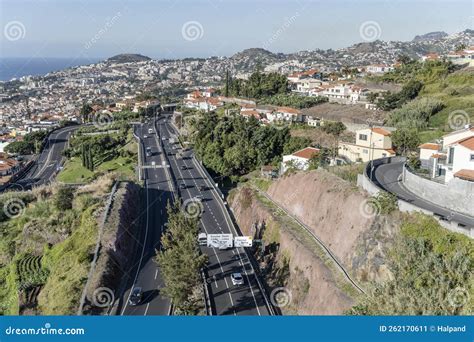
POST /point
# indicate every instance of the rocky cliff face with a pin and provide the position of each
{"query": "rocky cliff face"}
(337, 213)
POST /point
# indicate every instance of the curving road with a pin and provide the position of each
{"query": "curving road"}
(388, 177)
(49, 161)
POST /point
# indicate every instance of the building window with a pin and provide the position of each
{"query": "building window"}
(363, 137)
(451, 155)
(364, 151)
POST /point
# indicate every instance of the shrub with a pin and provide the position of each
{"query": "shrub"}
(64, 198)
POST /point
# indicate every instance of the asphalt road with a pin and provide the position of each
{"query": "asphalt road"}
(49, 161)
(226, 299)
(145, 272)
(388, 177)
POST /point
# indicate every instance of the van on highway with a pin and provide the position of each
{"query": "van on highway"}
(202, 239)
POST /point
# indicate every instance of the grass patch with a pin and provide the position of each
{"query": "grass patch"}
(68, 263)
(347, 172)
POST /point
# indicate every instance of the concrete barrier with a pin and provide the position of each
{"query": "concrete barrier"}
(457, 195)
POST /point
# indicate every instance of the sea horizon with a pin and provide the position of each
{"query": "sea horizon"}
(16, 67)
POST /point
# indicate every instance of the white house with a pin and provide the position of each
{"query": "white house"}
(285, 114)
(300, 159)
(454, 158)
(371, 143)
(379, 68)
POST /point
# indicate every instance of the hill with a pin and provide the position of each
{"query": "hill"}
(128, 58)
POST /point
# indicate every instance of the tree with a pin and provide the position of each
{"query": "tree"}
(335, 129)
(296, 144)
(86, 110)
(64, 198)
(406, 139)
(227, 83)
(181, 260)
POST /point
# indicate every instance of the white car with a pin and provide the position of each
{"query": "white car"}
(145, 136)
(237, 278)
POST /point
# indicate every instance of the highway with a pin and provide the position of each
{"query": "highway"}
(145, 272)
(388, 176)
(49, 161)
(226, 298)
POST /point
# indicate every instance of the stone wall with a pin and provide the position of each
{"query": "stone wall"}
(457, 195)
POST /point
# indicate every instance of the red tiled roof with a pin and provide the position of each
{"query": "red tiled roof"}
(306, 153)
(429, 146)
(381, 131)
(467, 143)
(465, 174)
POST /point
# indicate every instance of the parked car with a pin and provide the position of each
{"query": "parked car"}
(145, 136)
(150, 131)
(237, 278)
(182, 186)
(135, 296)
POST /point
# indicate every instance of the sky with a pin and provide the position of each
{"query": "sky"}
(202, 28)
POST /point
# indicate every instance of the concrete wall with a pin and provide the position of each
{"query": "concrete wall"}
(364, 182)
(457, 195)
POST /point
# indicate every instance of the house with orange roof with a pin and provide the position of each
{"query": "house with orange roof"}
(453, 158)
(299, 159)
(371, 143)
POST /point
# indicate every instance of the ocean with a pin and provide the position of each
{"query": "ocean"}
(18, 67)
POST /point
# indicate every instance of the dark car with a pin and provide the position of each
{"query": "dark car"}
(135, 296)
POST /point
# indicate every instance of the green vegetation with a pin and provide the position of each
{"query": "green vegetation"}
(46, 249)
(64, 197)
(409, 91)
(443, 91)
(431, 273)
(181, 262)
(293, 100)
(32, 143)
(258, 85)
(98, 150)
(406, 139)
(416, 114)
(232, 146)
(347, 172)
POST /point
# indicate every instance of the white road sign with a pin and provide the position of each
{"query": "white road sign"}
(243, 241)
(220, 240)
